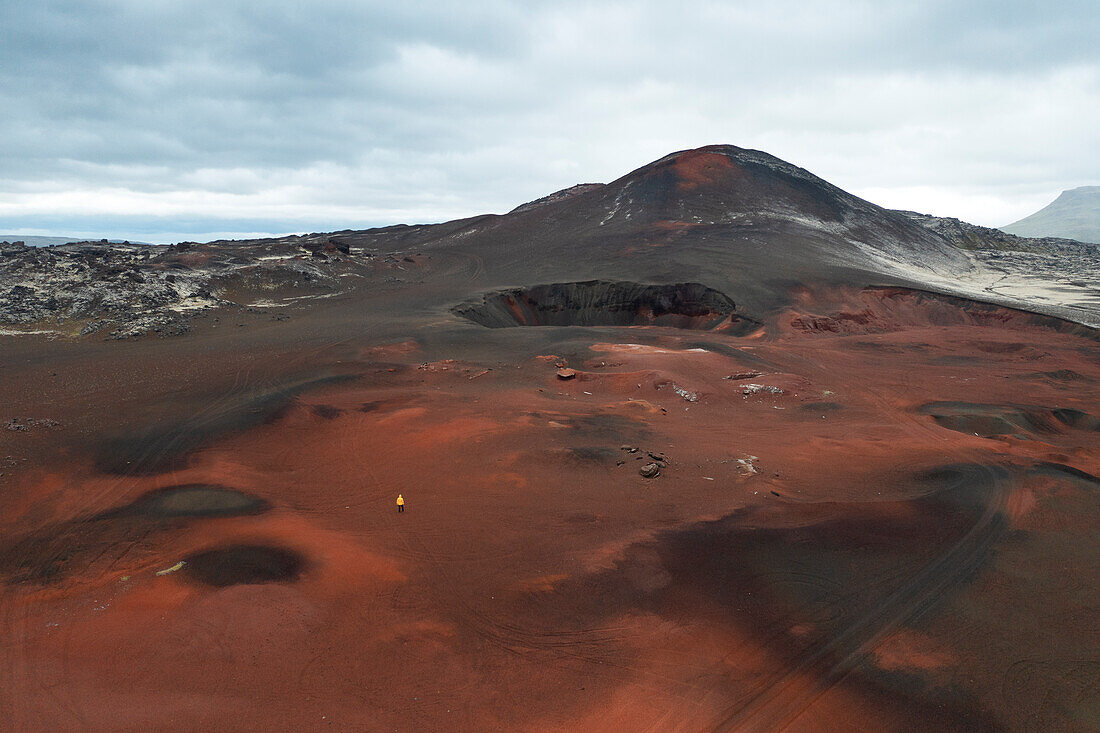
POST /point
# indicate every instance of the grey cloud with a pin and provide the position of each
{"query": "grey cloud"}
(480, 104)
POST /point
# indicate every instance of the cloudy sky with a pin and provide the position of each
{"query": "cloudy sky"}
(162, 120)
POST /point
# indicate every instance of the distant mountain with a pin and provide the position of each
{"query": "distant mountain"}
(1073, 215)
(32, 241)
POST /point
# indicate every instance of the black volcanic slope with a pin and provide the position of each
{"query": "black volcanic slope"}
(738, 221)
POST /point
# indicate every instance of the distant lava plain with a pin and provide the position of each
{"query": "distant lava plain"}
(715, 446)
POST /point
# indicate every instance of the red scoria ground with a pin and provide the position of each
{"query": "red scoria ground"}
(817, 552)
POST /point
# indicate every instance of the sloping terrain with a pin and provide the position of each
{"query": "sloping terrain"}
(715, 446)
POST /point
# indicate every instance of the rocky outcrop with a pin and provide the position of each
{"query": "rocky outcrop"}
(126, 291)
(974, 237)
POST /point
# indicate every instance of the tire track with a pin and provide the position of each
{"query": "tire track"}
(786, 696)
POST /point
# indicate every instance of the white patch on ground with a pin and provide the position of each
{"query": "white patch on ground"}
(746, 466)
(688, 395)
(614, 208)
(1077, 296)
(193, 304)
(15, 332)
(292, 300)
(643, 349)
(322, 296)
(751, 389)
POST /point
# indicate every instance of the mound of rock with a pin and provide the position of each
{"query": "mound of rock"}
(128, 291)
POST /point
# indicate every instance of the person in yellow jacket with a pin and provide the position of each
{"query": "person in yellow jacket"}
(400, 503)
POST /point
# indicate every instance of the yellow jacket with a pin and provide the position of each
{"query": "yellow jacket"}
(400, 500)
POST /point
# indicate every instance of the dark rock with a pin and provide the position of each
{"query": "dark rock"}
(93, 326)
(30, 423)
(339, 245)
(151, 289)
(649, 470)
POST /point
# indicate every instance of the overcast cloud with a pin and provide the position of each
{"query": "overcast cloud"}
(165, 120)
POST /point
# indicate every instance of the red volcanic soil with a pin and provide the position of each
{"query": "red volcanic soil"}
(828, 544)
(700, 167)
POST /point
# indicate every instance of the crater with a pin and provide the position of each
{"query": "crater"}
(607, 303)
(84, 546)
(193, 500)
(991, 420)
(1076, 419)
(244, 565)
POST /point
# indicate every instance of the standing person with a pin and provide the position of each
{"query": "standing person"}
(400, 503)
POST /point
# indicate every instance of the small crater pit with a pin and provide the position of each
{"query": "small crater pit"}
(1076, 419)
(244, 565)
(985, 420)
(992, 420)
(607, 303)
(194, 500)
